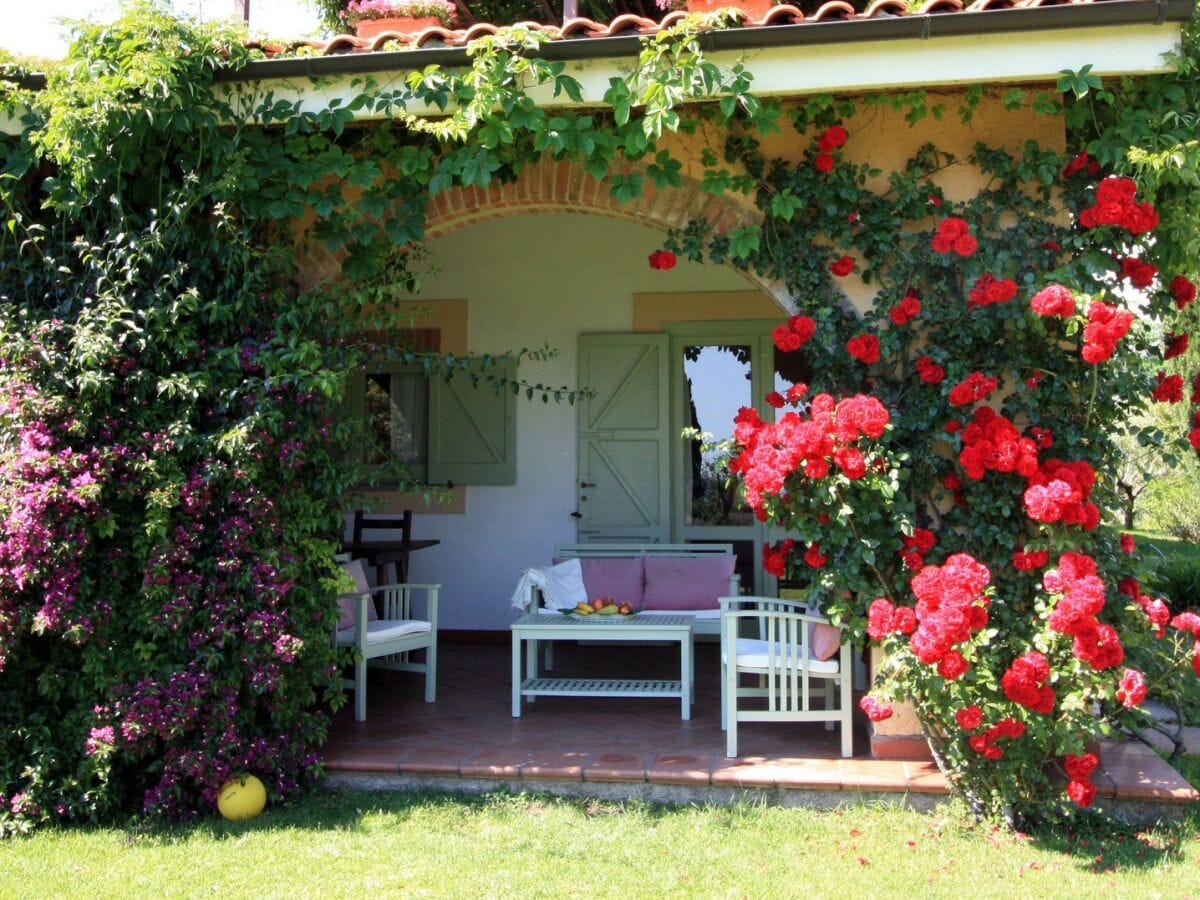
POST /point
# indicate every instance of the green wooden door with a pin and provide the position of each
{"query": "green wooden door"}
(623, 441)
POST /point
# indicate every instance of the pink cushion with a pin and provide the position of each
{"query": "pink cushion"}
(619, 578)
(824, 640)
(687, 582)
(348, 606)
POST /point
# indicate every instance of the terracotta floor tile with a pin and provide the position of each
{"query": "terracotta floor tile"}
(744, 771)
(925, 778)
(435, 760)
(470, 730)
(496, 762)
(874, 775)
(555, 764)
(617, 766)
(811, 774)
(681, 768)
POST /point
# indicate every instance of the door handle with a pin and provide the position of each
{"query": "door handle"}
(587, 484)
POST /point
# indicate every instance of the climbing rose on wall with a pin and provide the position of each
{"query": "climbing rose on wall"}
(662, 260)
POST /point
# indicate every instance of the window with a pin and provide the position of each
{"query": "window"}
(442, 431)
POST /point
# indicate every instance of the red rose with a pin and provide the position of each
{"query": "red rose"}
(662, 259)
(775, 399)
(823, 162)
(1053, 300)
(864, 348)
(875, 710)
(1177, 345)
(1078, 164)
(1183, 290)
(929, 371)
(1133, 688)
(1169, 389)
(833, 137)
(969, 718)
(1127, 544)
(813, 556)
(843, 266)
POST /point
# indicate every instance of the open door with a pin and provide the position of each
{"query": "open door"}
(624, 460)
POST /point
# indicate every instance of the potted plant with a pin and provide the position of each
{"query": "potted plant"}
(372, 17)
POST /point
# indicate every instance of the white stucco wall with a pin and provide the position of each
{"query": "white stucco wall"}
(532, 280)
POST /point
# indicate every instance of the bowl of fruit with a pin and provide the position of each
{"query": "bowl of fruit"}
(601, 606)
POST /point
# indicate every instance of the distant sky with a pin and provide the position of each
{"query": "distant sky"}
(29, 26)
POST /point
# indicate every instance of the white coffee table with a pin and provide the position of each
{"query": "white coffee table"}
(531, 628)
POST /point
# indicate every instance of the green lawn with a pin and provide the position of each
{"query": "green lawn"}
(1156, 545)
(501, 845)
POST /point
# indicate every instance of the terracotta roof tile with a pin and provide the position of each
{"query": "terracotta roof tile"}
(779, 15)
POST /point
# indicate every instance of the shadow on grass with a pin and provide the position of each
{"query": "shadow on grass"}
(1097, 844)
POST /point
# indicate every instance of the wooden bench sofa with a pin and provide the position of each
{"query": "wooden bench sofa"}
(656, 579)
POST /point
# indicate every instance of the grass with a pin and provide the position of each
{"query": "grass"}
(503, 845)
(1157, 545)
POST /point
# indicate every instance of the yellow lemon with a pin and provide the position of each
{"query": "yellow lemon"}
(242, 798)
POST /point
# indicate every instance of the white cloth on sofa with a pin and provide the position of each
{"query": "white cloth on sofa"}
(561, 585)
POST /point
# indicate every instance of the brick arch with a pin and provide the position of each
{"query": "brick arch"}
(562, 186)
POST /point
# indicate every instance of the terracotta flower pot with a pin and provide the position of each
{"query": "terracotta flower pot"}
(755, 9)
(369, 28)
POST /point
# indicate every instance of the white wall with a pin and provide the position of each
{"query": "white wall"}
(532, 280)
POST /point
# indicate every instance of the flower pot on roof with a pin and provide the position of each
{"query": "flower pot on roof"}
(373, 17)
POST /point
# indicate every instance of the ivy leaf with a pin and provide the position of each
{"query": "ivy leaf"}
(743, 242)
(626, 187)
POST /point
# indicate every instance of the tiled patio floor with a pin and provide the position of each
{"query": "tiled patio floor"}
(470, 734)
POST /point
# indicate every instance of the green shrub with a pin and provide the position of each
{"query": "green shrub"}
(1172, 505)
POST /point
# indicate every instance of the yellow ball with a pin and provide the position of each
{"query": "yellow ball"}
(242, 798)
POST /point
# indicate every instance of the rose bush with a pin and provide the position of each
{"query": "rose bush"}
(952, 460)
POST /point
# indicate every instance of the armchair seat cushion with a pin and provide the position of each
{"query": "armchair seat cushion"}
(753, 654)
(384, 630)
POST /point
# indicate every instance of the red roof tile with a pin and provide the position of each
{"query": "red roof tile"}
(783, 14)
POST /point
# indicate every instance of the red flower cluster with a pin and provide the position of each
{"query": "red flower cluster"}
(916, 546)
(1059, 492)
(1190, 622)
(1169, 388)
(1177, 345)
(843, 266)
(1115, 206)
(976, 387)
(1105, 326)
(953, 236)
(1183, 290)
(1025, 683)
(773, 451)
(1127, 543)
(1140, 274)
(1081, 597)
(1028, 560)
(989, 289)
(662, 259)
(1132, 689)
(775, 556)
(992, 442)
(1079, 772)
(969, 718)
(1194, 434)
(1157, 611)
(929, 371)
(907, 309)
(950, 606)
(814, 557)
(883, 618)
(829, 140)
(864, 348)
(875, 710)
(795, 334)
(1053, 300)
(1080, 163)
(986, 743)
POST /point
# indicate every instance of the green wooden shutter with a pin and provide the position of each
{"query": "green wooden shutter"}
(623, 441)
(472, 430)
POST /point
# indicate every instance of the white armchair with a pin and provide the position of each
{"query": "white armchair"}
(387, 641)
(784, 661)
